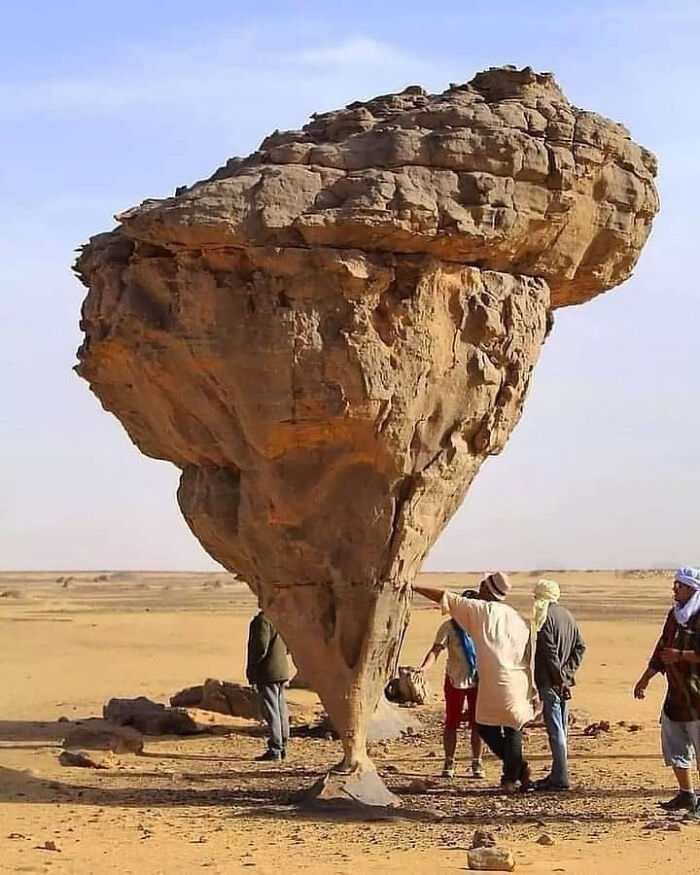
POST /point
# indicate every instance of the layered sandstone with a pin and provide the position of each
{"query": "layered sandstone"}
(502, 173)
(329, 336)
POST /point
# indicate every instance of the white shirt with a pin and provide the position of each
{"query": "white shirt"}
(457, 669)
(503, 659)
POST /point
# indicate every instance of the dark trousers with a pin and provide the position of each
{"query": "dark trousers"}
(273, 708)
(507, 744)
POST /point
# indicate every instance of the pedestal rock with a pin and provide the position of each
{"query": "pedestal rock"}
(329, 336)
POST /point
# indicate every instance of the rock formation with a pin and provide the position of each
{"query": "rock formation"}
(329, 336)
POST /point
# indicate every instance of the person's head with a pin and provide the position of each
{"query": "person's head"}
(547, 590)
(470, 594)
(686, 583)
(494, 587)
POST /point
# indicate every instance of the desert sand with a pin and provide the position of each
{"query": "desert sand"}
(201, 803)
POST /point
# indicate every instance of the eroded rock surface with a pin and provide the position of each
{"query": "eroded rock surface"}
(502, 172)
(329, 336)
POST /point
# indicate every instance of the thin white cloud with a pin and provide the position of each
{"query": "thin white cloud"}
(201, 77)
(355, 50)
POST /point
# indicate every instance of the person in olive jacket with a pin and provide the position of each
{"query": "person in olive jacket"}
(267, 669)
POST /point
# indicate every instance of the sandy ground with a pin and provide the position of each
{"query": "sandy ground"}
(201, 803)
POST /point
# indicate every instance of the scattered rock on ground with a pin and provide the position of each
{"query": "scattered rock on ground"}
(417, 787)
(483, 838)
(593, 730)
(494, 859)
(223, 697)
(48, 845)
(86, 759)
(655, 824)
(546, 840)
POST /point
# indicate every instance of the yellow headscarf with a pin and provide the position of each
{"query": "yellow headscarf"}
(545, 592)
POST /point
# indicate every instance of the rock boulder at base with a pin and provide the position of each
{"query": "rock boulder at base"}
(230, 698)
(225, 697)
(152, 718)
(330, 336)
(189, 697)
(213, 695)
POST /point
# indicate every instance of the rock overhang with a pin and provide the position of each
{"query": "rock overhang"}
(501, 173)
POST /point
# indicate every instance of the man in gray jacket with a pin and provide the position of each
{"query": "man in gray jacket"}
(558, 654)
(267, 669)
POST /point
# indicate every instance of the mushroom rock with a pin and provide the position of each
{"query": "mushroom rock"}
(329, 336)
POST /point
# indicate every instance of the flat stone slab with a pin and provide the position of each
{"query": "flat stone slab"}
(354, 790)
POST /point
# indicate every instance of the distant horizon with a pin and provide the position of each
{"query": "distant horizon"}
(213, 571)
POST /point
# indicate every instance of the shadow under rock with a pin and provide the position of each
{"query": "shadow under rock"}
(56, 730)
(35, 730)
(22, 787)
(278, 802)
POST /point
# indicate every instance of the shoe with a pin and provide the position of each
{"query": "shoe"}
(683, 801)
(547, 785)
(526, 784)
(694, 815)
(270, 756)
(284, 753)
(509, 787)
(478, 769)
(448, 770)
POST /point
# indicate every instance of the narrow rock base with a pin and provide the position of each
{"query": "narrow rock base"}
(350, 791)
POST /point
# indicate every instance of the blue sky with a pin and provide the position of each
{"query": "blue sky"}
(104, 105)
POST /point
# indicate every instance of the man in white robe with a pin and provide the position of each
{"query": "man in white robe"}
(507, 696)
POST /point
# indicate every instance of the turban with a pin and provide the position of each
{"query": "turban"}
(690, 577)
(545, 592)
